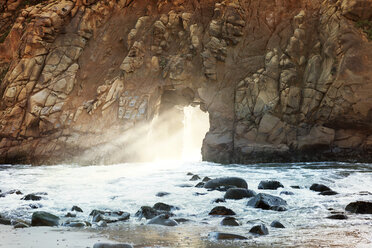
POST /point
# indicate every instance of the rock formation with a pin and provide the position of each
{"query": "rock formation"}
(86, 81)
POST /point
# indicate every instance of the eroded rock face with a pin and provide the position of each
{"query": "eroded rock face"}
(82, 81)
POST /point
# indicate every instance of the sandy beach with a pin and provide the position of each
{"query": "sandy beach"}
(47, 237)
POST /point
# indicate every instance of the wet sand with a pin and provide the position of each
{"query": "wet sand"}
(183, 236)
(47, 237)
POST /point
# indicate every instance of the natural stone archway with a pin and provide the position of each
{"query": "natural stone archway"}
(82, 81)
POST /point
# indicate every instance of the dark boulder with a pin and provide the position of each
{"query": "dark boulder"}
(270, 185)
(189, 174)
(259, 230)
(107, 245)
(239, 193)
(76, 209)
(35, 205)
(267, 202)
(225, 236)
(360, 207)
(31, 197)
(164, 207)
(194, 178)
(229, 221)
(198, 193)
(277, 224)
(41, 218)
(161, 194)
(5, 221)
(164, 220)
(20, 225)
(77, 224)
(319, 187)
(226, 181)
(295, 187)
(108, 216)
(184, 185)
(70, 215)
(337, 217)
(286, 193)
(221, 210)
(148, 212)
(328, 192)
(206, 179)
(10, 192)
(199, 185)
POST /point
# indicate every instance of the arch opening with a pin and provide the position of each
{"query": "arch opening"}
(196, 126)
(178, 131)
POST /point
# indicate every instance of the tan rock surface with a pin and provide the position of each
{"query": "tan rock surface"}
(282, 81)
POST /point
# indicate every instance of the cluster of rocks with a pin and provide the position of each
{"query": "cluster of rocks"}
(233, 188)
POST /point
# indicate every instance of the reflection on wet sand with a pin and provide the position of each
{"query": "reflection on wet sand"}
(192, 235)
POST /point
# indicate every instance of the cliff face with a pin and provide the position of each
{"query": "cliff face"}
(284, 80)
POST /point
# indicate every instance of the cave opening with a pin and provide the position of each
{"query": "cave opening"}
(196, 126)
(178, 131)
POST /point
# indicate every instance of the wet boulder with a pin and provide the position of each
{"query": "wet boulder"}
(77, 224)
(31, 197)
(76, 209)
(161, 194)
(360, 207)
(277, 224)
(226, 181)
(184, 185)
(70, 215)
(328, 192)
(319, 187)
(270, 185)
(206, 179)
(148, 212)
(5, 221)
(286, 193)
(164, 207)
(259, 230)
(200, 185)
(225, 236)
(221, 210)
(195, 178)
(108, 216)
(337, 217)
(20, 225)
(239, 193)
(267, 202)
(108, 245)
(229, 221)
(163, 219)
(41, 218)
(11, 192)
(35, 205)
(199, 193)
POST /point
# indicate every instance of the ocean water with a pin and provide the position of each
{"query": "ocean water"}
(127, 187)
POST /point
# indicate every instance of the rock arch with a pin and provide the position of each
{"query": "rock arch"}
(283, 81)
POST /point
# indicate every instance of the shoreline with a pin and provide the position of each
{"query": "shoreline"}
(48, 237)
